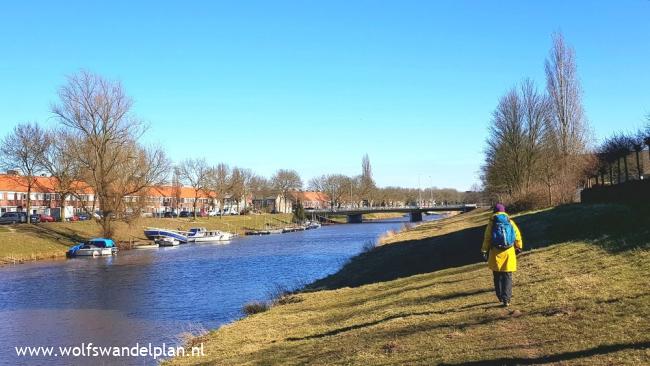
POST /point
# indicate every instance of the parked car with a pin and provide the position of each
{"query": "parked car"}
(83, 217)
(170, 214)
(185, 214)
(73, 218)
(34, 218)
(13, 217)
(41, 218)
(201, 214)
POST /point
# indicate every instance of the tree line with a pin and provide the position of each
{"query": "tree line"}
(94, 148)
(619, 158)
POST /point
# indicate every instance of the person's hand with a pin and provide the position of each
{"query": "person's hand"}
(485, 256)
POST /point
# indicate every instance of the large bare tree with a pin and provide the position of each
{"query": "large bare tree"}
(285, 181)
(98, 113)
(194, 172)
(20, 151)
(568, 123)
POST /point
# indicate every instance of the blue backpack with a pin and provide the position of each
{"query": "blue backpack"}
(503, 234)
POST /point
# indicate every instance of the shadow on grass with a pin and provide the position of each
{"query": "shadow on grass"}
(44, 231)
(614, 227)
(560, 357)
(402, 316)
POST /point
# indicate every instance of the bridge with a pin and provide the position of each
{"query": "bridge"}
(355, 215)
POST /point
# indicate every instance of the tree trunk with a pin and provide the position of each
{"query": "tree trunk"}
(627, 174)
(550, 196)
(618, 167)
(29, 202)
(107, 228)
(638, 165)
(611, 174)
(61, 207)
(194, 206)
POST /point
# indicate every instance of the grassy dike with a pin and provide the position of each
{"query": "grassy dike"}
(424, 297)
(19, 243)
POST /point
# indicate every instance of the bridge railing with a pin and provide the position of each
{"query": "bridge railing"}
(385, 208)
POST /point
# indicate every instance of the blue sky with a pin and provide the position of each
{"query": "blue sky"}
(313, 85)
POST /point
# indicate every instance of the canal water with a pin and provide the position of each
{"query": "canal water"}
(143, 297)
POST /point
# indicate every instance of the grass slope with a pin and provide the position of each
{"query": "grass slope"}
(25, 242)
(580, 297)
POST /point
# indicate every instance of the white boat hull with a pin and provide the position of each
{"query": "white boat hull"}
(94, 252)
(148, 246)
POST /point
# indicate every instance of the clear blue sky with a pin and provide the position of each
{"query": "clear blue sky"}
(313, 85)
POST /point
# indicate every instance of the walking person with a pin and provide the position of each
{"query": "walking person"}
(501, 244)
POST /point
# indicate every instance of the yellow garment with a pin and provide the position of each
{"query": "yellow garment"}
(501, 260)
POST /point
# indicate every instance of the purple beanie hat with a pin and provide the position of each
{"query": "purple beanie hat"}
(499, 208)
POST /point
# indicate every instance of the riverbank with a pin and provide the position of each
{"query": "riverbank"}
(425, 297)
(23, 242)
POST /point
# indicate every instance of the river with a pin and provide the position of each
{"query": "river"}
(152, 296)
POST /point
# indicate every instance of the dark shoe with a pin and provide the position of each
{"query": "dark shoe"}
(506, 303)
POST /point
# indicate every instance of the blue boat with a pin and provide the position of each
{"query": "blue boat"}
(153, 233)
(93, 248)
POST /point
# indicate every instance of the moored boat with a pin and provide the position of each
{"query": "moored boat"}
(201, 234)
(93, 248)
(153, 233)
(167, 242)
(146, 246)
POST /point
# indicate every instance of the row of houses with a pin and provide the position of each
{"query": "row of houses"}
(44, 199)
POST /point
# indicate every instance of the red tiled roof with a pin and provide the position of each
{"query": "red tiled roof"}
(310, 196)
(17, 183)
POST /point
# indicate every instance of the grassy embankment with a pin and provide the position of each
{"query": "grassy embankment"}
(581, 296)
(24, 242)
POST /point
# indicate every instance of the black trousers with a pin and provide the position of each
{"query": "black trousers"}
(503, 285)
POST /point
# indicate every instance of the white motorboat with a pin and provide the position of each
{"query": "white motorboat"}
(167, 242)
(202, 235)
(313, 225)
(93, 248)
(154, 233)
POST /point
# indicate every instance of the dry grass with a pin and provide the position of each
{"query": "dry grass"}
(382, 215)
(576, 301)
(25, 242)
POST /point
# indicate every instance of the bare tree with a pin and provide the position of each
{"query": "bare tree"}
(567, 121)
(58, 161)
(367, 184)
(505, 171)
(97, 112)
(237, 184)
(285, 181)
(219, 183)
(259, 187)
(637, 143)
(335, 186)
(194, 172)
(20, 151)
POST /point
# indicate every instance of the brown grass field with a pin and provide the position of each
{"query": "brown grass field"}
(581, 297)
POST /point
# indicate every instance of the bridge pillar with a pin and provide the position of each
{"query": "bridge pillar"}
(416, 216)
(355, 219)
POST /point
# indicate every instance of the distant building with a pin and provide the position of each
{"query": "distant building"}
(311, 200)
